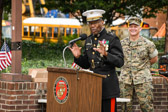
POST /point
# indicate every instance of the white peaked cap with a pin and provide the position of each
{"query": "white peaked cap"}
(94, 14)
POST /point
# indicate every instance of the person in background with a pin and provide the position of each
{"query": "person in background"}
(139, 54)
(102, 53)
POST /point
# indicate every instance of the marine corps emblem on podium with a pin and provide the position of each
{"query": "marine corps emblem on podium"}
(61, 90)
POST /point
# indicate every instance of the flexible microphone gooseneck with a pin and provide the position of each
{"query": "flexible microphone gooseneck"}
(81, 37)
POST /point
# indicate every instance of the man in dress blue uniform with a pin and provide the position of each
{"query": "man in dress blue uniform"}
(102, 53)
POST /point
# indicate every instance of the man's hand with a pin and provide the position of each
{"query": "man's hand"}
(101, 49)
(76, 51)
(154, 60)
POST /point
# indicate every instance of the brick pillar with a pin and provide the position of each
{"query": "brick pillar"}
(21, 96)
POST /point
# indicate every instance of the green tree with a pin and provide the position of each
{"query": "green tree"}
(5, 5)
(1, 11)
(114, 8)
(166, 36)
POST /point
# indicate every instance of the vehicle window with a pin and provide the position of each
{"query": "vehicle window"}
(26, 30)
(62, 31)
(74, 31)
(49, 32)
(6, 31)
(55, 32)
(145, 33)
(37, 30)
(32, 28)
(68, 31)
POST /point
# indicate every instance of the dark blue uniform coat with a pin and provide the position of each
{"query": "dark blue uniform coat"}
(103, 65)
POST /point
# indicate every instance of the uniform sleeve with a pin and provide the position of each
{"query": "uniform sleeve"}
(115, 55)
(152, 50)
(82, 61)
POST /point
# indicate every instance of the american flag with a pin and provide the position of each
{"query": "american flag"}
(75, 66)
(5, 57)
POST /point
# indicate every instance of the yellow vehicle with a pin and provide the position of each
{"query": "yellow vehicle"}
(121, 30)
(38, 29)
(28, 8)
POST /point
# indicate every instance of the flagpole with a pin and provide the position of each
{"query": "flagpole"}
(6, 56)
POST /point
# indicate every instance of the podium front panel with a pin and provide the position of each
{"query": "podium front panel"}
(84, 90)
(53, 102)
(89, 93)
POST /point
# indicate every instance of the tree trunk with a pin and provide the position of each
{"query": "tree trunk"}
(166, 36)
(1, 11)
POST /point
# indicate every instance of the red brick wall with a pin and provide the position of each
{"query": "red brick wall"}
(23, 96)
(158, 21)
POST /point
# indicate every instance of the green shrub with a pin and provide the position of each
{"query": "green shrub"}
(160, 44)
(36, 55)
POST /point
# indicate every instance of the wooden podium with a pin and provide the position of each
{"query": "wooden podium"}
(70, 90)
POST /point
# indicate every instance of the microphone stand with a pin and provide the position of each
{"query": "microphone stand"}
(65, 65)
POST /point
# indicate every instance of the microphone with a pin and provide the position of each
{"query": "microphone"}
(81, 37)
